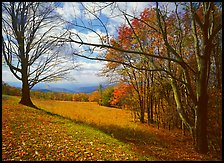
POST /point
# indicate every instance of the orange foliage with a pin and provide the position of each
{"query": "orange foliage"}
(120, 93)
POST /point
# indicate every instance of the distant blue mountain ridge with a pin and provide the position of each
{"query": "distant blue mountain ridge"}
(89, 89)
(67, 88)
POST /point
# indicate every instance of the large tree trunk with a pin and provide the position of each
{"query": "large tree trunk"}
(25, 100)
(201, 139)
(202, 58)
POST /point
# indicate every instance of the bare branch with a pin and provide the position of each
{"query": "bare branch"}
(116, 61)
(26, 41)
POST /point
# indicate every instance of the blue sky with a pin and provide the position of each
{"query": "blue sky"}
(73, 11)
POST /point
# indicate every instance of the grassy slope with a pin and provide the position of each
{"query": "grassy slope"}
(111, 135)
(30, 134)
(144, 140)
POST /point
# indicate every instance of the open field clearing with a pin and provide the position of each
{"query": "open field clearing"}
(88, 132)
(88, 112)
(30, 134)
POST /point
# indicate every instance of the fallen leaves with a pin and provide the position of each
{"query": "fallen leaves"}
(29, 134)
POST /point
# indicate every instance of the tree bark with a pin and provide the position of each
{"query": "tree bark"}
(142, 113)
(151, 99)
(201, 139)
(26, 100)
(149, 113)
(180, 110)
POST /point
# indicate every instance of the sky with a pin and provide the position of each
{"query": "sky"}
(74, 12)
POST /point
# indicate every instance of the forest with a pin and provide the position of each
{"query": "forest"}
(167, 65)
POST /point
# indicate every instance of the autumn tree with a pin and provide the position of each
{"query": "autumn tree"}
(107, 95)
(94, 96)
(203, 16)
(31, 55)
(183, 69)
(138, 74)
(121, 95)
(81, 97)
(176, 45)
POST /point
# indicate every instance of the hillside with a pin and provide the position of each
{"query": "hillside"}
(30, 134)
(87, 132)
(145, 140)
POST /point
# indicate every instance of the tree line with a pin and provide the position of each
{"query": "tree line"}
(180, 49)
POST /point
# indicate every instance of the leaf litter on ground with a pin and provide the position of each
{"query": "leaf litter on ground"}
(30, 134)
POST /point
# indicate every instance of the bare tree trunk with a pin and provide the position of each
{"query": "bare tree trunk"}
(149, 113)
(158, 112)
(202, 107)
(151, 99)
(180, 109)
(201, 126)
(142, 114)
(25, 100)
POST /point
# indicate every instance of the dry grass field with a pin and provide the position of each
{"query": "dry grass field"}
(88, 112)
(34, 135)
(88, 122)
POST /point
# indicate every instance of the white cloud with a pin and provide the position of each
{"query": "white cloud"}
(132, 8)
(92, 9)
(88, 72)
(7, 75)
(89, 37)
(113, 12)
(93, 66)
(70, 10)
